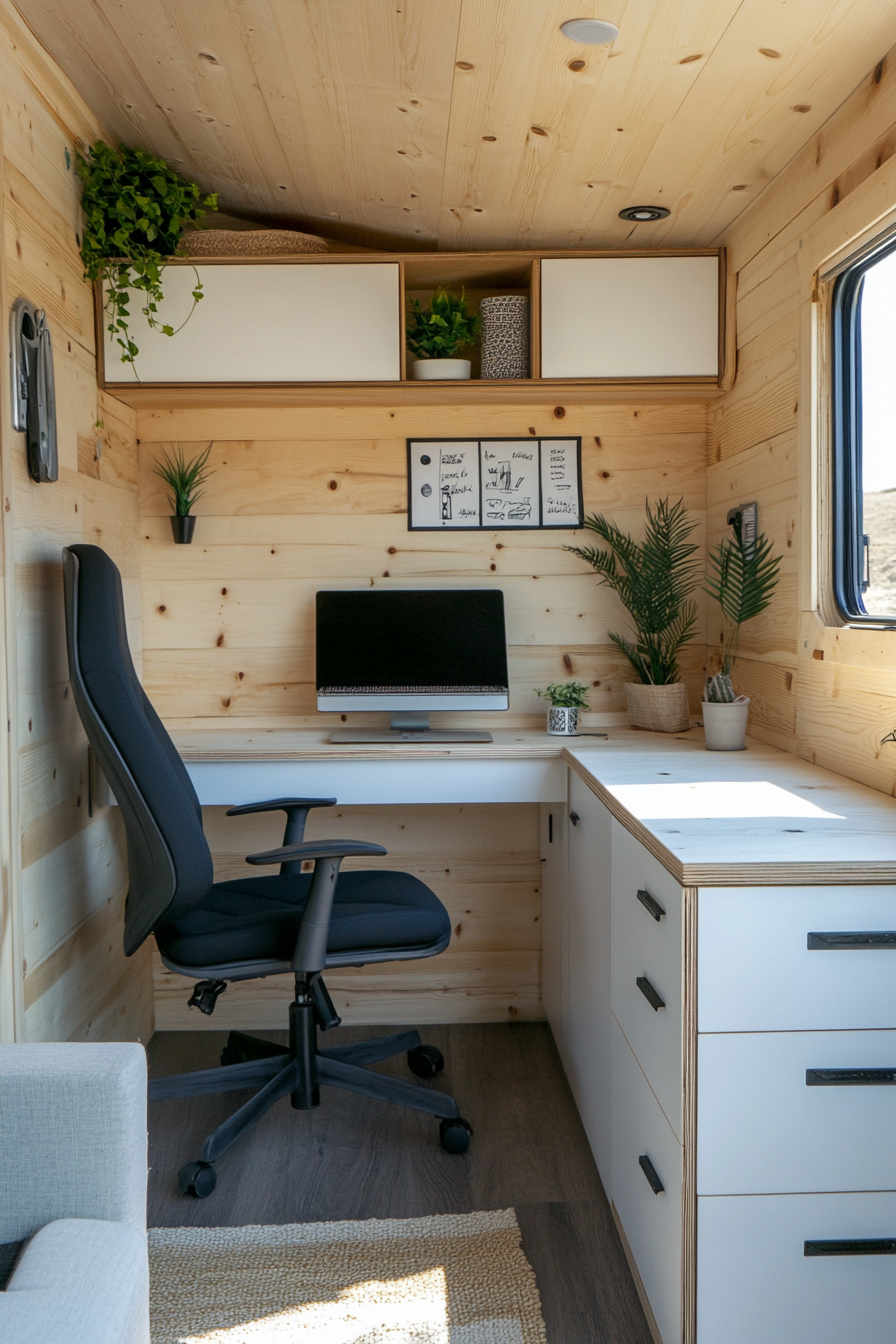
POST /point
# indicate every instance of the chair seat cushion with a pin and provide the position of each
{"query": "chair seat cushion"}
(258, 917)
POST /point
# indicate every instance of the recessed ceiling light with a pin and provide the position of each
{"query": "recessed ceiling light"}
(592, 31)
(643, 214)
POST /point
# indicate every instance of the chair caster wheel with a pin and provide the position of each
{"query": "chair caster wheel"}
(425, 1061)
(455, 1135)
(197, 1178)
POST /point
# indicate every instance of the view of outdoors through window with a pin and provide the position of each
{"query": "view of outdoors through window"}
(878, 483)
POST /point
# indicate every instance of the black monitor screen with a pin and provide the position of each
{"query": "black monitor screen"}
(434, 638)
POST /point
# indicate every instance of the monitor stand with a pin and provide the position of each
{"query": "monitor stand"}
(409, 727)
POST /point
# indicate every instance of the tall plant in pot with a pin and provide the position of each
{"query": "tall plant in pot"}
(435, 334)
(742, 577)
(654, 579)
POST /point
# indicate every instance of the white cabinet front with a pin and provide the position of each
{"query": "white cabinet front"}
(796, 1269)
(796, 958)
(269, 324)
(794, 1112)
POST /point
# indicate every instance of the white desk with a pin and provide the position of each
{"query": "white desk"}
(229, 767)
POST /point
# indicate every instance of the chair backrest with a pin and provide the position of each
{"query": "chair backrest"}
(169, 864)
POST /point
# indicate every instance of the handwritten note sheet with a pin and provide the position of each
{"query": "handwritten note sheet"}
(494, 483)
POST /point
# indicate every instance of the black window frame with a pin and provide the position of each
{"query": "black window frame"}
(848, 544)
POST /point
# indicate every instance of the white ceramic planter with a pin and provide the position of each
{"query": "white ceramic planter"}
(441, 368)
(563, 722)
(725, 726)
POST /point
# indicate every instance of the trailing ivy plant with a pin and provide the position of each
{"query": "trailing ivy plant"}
(439, 331)
(183, 477)
(654, 578)
(135, 208)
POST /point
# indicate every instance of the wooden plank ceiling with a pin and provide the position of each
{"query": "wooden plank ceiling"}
(462, 124)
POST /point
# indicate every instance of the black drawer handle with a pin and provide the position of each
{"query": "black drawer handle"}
(574, 818)
(650, 993)
(650, 1172)
(851, 1077)
(849, 942)
(875, 1246)
(650, 905)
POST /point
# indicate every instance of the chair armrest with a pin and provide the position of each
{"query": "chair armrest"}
(278, 804)
(317, 849)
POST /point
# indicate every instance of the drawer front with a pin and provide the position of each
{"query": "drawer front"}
(756, 971)
(755, 1284)
(652, 1222)
(646, 967)
(765, 1127)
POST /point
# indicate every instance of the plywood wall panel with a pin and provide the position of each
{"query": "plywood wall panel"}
(765, 398)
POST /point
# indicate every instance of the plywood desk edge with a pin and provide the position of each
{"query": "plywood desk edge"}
(281, 745)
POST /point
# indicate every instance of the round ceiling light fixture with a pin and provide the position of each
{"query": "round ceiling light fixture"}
(644, 214)
(593, 31)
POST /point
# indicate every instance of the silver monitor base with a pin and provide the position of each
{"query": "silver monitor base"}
(425, 735)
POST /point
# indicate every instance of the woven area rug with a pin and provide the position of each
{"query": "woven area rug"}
(454, 1279)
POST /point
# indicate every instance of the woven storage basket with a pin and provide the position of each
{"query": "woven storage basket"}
(663, 709)
(250, 243)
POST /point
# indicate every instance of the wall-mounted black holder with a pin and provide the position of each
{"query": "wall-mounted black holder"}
(34, 388)
(183, 526)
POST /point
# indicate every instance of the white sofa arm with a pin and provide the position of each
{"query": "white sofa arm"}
(72, 1135)
(79, 1282)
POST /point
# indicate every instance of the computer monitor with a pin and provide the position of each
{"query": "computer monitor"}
(411, 651)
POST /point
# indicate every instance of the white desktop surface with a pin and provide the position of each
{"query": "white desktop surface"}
(231, 766)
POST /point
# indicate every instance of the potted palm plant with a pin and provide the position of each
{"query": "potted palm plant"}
(654, 579)
(435, 334)
(566, 698)
(742, 577)
(183, 479)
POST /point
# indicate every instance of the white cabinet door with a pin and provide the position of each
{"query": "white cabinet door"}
(270, 324)
(643, 1139)
(647, 967)
(629, 317)
(796, 958)
(757, 1285)
(554, 935)
(587, 1033)
(796, 1112)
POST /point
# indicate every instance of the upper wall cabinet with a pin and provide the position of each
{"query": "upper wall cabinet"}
(258, 323)
(630, 317)
(331, 330)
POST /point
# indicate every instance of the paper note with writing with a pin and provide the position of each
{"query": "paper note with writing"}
(561, 502)
(444, 484)
(510, 484)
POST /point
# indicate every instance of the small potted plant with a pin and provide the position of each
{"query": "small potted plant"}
(135, 209)
(654, 579)
(566, 698)
(183, 479)
(742, 577)
(435, 334)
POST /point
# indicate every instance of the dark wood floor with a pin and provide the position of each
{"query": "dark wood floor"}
(356, 1158)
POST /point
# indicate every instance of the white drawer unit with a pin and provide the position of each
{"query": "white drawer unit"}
(796, 1112)
(797, 958)
(647, 1182)
(797, 1269)
(646, 992)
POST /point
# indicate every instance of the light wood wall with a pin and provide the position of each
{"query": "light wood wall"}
(826, 693)
(308, 498)
(68, 872)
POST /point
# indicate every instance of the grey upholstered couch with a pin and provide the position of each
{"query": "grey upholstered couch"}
(73, 1190)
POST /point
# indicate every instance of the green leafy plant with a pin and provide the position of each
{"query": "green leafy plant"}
(742, 578)
(184, 478)
(439, 331)
(565, 695)
(654, 579)
(135, 208)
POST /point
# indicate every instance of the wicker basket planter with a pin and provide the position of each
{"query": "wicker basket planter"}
(250, 243)
(662, 709)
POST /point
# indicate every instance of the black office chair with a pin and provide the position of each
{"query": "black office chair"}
(242, 930)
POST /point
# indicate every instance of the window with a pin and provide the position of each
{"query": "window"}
(864, 439)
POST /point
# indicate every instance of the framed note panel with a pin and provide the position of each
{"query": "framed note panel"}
(490, 484)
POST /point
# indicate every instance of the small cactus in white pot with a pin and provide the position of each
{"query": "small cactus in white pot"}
(566, 698)
(742, 577)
